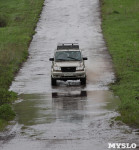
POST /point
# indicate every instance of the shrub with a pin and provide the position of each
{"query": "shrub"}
(7, 96)
(3, 20)
(6, 112)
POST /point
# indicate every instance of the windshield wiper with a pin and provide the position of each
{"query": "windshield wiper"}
(60, 60)
(73, 58)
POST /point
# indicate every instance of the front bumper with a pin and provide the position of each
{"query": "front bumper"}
(68, 75)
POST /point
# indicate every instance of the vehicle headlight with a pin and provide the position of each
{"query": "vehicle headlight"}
(56, 68)
(80, 68)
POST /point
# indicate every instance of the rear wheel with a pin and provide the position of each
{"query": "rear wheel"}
(83, 81)
(53, 81)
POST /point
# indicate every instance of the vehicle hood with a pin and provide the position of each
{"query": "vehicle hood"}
(68, 64)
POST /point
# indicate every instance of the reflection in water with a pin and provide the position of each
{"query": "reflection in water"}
(47, 108)
(68, 105)
(34, 109)
(71, 94)
(65, 106)
(71, 115)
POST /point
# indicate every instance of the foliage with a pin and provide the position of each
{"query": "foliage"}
(121, 31)
(6, 112)
(18, 20)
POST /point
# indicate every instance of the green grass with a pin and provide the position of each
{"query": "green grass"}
(18, 20)
(120, 24)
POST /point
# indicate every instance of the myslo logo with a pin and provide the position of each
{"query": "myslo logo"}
(122, 145)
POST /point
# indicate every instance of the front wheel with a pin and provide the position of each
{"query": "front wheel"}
(83, 81)
(53, 81)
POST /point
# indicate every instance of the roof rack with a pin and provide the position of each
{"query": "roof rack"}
(61, 46)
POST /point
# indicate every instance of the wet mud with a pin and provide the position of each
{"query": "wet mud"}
(68, 116)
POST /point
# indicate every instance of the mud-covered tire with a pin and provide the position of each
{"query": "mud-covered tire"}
(53, 81)
(83, 81)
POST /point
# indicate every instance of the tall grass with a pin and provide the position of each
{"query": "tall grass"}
(121, 30)
(18, 20)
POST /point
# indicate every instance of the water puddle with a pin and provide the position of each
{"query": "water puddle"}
(67, 116)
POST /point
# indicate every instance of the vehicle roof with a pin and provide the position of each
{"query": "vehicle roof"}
(68, 50)
(68, 46)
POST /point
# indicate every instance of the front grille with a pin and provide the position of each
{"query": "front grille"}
(68, 69)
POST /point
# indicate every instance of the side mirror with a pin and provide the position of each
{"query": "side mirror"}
(51, 59)
(85, 58)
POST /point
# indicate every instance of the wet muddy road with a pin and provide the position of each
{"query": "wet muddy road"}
(68, 116)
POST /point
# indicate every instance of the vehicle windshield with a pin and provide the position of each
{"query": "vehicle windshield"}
(68, 56)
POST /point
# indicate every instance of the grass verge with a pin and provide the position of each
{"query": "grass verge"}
(18, 20)
(120, 25)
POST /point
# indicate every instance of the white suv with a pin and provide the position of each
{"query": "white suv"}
(68, 64)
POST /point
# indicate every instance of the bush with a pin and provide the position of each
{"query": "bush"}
(3, 21)
(6, 112)
(7, 96)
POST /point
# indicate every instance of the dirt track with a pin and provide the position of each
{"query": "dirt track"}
(68, 116)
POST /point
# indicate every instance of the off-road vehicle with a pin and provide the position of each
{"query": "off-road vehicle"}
(68, 63)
